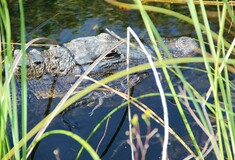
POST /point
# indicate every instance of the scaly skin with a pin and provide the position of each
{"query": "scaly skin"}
(76, 56)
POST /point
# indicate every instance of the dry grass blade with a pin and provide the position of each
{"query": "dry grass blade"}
(102, 138)
(207, 3)
(159, 85)
(210, 134)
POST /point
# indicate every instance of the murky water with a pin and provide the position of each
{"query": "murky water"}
(64, 21)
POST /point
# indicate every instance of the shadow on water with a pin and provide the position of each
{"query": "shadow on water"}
(64, 21)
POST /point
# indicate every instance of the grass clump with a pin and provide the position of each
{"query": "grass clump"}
(223, 134)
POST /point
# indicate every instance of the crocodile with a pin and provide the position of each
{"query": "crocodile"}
(51, 72)
(77, 55)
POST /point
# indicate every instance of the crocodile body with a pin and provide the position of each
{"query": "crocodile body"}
(52, 86)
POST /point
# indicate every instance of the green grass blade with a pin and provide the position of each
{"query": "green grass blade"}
(23, 78)
(6, 104)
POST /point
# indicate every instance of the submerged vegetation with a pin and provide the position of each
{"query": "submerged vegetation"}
(216, 119)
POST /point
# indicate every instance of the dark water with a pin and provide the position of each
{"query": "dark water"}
(64, 21)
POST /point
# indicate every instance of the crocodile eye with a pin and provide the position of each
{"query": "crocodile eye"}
(112, 54)
(38, 63)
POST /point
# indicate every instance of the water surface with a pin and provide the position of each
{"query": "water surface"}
(64, 21)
